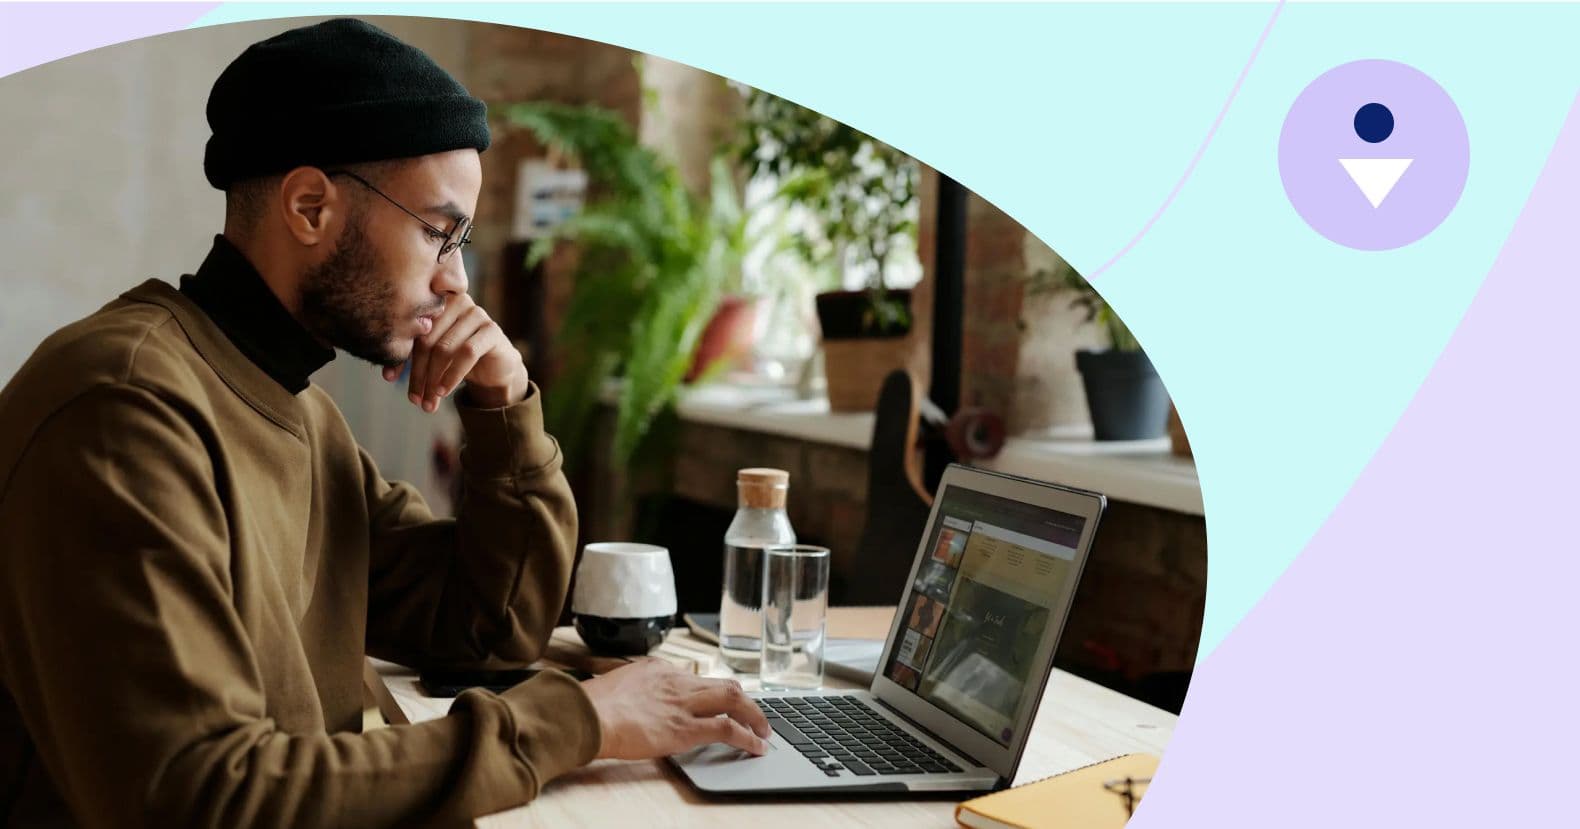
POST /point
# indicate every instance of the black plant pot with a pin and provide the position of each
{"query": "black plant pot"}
(1124, 393)
(848, 315)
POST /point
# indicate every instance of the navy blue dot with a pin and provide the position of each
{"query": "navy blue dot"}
(1373, 123)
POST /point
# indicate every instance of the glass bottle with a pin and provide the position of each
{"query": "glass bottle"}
(760, 521)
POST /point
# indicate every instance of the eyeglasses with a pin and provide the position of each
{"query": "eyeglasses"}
(454, 239)
(1130, 789)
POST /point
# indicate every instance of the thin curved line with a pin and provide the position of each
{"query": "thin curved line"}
(1200, 151)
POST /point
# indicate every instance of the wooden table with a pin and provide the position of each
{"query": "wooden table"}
(1079, 722)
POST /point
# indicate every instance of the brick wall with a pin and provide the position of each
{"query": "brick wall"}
(689, 114)
(1018, 347)
(508, 64)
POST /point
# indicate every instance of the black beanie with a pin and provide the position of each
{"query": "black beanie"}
(338, 92)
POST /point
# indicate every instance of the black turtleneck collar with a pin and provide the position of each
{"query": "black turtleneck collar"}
(229, 289)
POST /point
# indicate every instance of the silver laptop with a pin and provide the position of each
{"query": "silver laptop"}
(964, 666)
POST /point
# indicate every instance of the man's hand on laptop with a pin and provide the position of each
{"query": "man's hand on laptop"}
(652, 709)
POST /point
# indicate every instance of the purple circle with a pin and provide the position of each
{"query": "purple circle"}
(1319, 131)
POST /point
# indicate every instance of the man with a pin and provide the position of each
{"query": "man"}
(194, 552)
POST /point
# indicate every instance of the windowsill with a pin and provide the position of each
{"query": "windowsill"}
(1139, 472)
(775, 411)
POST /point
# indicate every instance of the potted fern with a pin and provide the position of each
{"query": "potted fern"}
(1124, 394)
(648, 278)
(861, 194)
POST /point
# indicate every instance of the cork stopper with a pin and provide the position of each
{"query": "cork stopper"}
(762, 488)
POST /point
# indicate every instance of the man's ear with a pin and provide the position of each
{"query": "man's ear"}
(312, 205)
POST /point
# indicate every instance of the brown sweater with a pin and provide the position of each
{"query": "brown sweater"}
(193, 561)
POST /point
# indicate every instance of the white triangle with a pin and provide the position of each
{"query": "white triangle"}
(1375, 176)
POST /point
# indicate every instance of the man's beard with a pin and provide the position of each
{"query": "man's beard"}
(347, 300)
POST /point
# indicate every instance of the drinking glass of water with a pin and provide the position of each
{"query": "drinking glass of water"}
(795, 614)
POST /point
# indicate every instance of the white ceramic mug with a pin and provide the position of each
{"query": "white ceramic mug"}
(624, 600)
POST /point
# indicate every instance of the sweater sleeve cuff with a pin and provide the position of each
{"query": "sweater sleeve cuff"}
(508, 441)
(556, 725)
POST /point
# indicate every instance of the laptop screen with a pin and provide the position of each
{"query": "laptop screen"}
(977, 613)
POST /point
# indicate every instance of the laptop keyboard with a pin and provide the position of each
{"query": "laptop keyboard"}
(843, 736)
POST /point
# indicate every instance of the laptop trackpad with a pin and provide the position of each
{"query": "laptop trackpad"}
(719, 753)
(722, 768)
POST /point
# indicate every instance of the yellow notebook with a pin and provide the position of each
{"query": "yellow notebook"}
(1073, 799)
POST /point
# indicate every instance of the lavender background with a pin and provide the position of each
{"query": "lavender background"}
(35, 33)
(1414, 666)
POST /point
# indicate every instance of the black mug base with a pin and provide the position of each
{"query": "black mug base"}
(622, 637)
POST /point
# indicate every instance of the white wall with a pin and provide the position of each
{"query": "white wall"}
(101, 187)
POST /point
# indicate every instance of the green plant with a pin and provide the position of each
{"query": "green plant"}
(653, 263)
(861, 191)
(1086, 297)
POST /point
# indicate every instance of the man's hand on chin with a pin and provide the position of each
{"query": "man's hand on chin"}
(464, 344)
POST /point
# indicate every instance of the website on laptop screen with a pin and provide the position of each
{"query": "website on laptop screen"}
(978, 610)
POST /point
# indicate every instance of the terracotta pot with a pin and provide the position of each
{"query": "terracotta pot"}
(729, 336)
